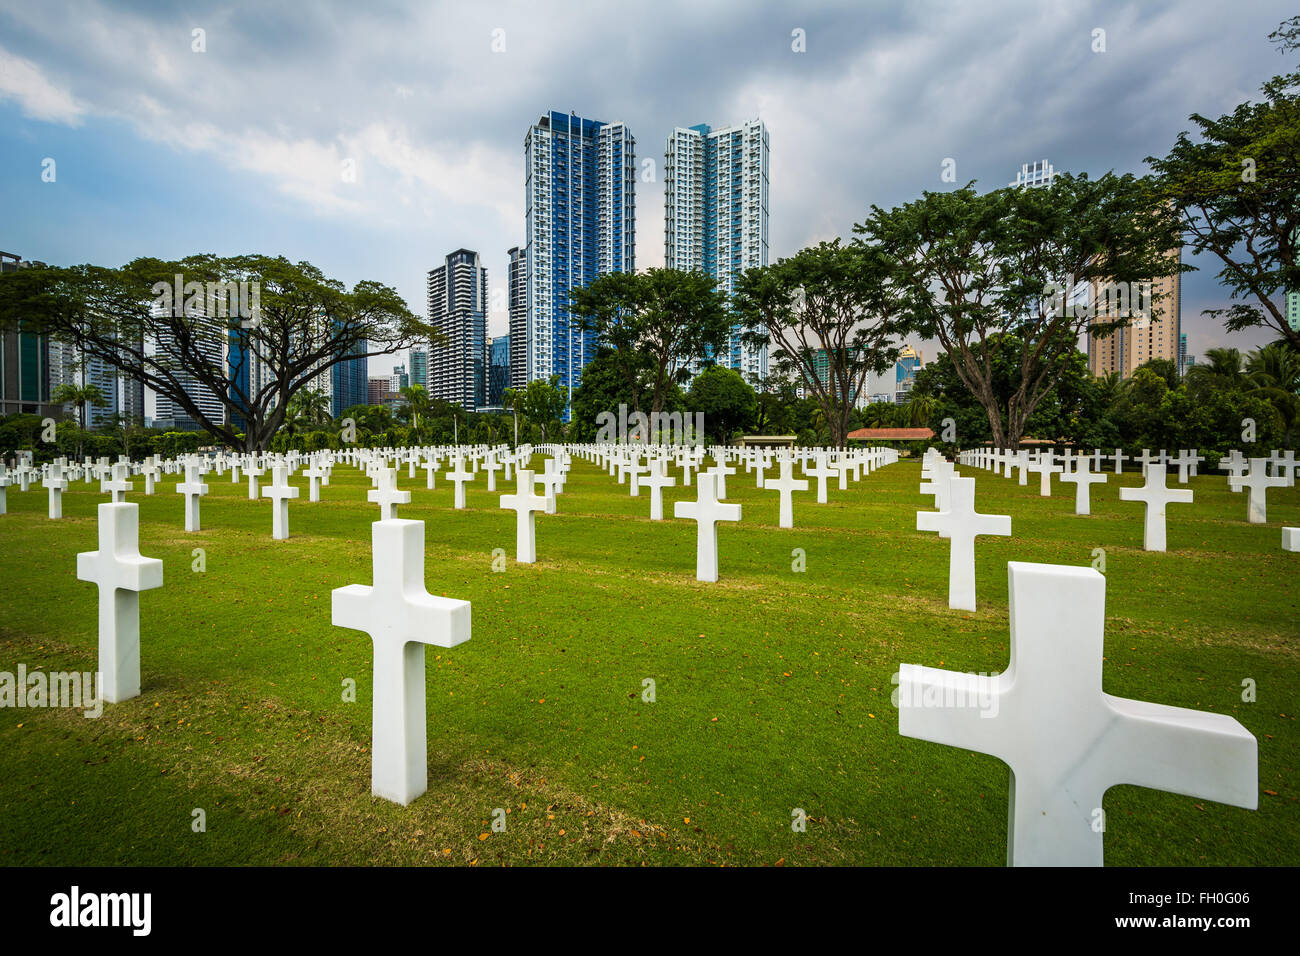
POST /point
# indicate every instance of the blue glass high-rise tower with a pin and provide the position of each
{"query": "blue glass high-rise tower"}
(580, 200)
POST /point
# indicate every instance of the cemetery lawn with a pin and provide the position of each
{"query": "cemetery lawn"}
(771, 687)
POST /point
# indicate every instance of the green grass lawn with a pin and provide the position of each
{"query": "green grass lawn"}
(772, 686)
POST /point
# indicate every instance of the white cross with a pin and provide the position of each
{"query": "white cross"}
(633, 469)
(550, 480)
(1234, 464)
(430, 467)
(150, 472)
(314, 473)
(1258, 481)
(1119, 458)
(960, 523)
(252, 473)
(1045, 469)
(821, 471)
(525, 504)
(1066, 740)
(1083, 479)
(657, 480)
(400, 616)
(721, 471)
(117, 486)
(193, 489)
(492, 466)
(1156, 496)
(784, 485)
(55, 483)
(4, 485)
(387, 495)
(280, 491)
(121, 573)
(706, 511)
(459, 476)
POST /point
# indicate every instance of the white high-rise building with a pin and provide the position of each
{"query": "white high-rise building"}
(1037, 173)
(716, 214)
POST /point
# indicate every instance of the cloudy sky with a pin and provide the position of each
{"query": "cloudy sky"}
(163, 149)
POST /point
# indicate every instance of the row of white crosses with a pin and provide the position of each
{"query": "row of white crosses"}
(957, 520)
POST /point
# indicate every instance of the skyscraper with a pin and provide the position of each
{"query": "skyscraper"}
(1293, 310)
(1144, 339)
(420, 366)
(499, 370)
(716, 214)
(458, 296)
(348, 381)
(517, 295)
(580, 198)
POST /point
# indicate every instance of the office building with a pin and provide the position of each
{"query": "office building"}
(498, 370)
(517, 297)
(580, 219)
(1293, 311)
(716, 216)
(905, 369)
(458, 297)
(24, 361)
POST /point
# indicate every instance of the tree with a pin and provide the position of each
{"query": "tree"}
(415, 400)
(296, 322)
(972, 267)
(542, 404)
(82, 396)
(654, 323)
(605, 387)
(725, 399)
(1274, 374)
(828, 311)
(1236, 190)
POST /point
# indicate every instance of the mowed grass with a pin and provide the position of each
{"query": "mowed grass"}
(772, 686)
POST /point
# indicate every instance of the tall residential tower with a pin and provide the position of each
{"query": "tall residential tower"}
(716, 214)
(458, 298)
(580, 200)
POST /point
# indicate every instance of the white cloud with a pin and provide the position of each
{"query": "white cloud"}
(37, 97)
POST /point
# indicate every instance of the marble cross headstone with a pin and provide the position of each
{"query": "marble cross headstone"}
(193, 489)
(118, 485)
(707, 511)
(121, 573)
(1257, 481)
(55, 483)
(401, 616)
(784, 485)
(387, 495)
(1156, 496)
(1066, 740)
(280, 491)
(459, 477)
(1083, 479)
(657, 480)
(961, 523)
(526, 505)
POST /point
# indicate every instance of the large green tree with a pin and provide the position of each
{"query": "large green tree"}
(653, 323)
(298, 322)
(1237, 190)
(971, 268)
(725, 399)
(828, 315)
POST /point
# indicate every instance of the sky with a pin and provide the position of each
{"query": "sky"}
(182, 128)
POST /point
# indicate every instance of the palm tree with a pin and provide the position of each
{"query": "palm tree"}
(1273, 373)
(416, 399)
(1221, 369)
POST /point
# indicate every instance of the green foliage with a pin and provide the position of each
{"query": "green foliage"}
(728, 402)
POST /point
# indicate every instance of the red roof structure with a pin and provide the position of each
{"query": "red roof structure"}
(892, 434)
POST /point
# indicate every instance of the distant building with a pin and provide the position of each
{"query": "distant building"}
(210, 342)
(24, 361)
(458, 297)
(1293, 310)
(1155, 337)
(420, 366)
(905, 369)
(517, 297)
(498, 370)
(348, 381)
(1182, 353)
(716, 216)
(580, 223)
(1037, 173)
(379, 391)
